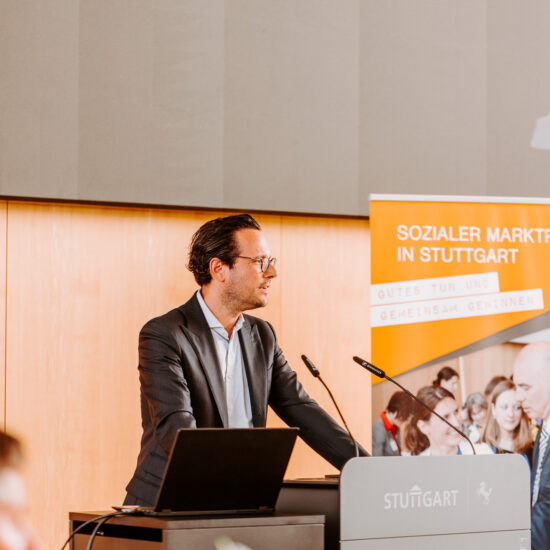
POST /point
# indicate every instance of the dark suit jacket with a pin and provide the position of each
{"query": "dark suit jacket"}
(182, 387)
(540, 513)
(382, 440)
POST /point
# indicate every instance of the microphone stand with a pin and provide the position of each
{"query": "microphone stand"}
(314, 371)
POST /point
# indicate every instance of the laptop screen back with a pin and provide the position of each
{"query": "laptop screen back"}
(226, 469)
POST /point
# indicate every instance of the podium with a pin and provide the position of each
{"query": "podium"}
(393, 503)
(133, 532)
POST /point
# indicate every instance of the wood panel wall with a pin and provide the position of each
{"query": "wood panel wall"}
(325, 276)
(3, 230)
(82, 280)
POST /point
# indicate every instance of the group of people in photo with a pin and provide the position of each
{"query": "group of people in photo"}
(494, 421)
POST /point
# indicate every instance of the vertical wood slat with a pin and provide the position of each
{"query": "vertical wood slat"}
(3, 236)
(82, 280)
(325, 279)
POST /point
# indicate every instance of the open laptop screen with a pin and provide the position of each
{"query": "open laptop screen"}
(225, 470)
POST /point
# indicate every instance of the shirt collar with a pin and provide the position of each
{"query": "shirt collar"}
(387, 424)
(211, 319)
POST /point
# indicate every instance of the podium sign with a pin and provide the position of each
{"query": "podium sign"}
(453, 502)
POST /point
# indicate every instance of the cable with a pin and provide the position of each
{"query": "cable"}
(95, 531)
(106, 516)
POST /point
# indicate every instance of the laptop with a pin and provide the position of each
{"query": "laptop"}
(224, 471)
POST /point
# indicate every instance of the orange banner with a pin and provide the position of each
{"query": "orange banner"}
(448, 274)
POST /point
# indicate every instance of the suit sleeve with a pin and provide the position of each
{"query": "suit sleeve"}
(163, 385)
(378, 439)
(293, 405)
(540, 521)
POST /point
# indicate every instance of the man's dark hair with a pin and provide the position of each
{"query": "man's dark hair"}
(216, 239)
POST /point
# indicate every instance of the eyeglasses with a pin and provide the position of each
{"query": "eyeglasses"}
(263, 262)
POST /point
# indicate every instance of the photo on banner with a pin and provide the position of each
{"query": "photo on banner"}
(451, 275)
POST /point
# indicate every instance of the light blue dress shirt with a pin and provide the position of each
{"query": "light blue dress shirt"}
(230, 358)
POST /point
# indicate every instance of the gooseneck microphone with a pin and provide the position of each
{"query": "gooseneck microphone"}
(315, 372)
(381, 374)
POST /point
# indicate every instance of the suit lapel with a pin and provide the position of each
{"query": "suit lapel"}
(200, 337)
(256, 370)
(545, 473)
(535, 460)
(536, 448)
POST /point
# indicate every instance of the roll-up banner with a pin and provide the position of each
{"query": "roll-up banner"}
(448, 273)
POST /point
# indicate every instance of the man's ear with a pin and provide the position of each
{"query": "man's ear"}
(424, 427)
(218, 270)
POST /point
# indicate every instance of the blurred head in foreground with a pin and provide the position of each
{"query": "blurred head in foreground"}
(15, 531)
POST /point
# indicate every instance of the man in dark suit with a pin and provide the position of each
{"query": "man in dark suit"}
(205, 364)
(532, 379)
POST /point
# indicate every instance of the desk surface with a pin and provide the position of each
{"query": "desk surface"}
(268, 532)
(201, 522)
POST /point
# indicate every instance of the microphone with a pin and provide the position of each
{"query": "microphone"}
(315, 372)
(311, 367)
(381, 374)
(370, 367)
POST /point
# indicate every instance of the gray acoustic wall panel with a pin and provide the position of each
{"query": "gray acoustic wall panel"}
(273, 105)
(518, 100)
(423, 97)
(151, 101)
(39, 91)
(292, 105)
